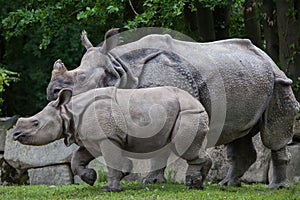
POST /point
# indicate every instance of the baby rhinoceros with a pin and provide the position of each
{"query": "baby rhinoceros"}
(120, 123)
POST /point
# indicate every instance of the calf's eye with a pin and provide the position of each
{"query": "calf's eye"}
(35, 123)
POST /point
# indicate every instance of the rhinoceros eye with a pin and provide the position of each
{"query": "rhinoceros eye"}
(81, 77)
(35, 123)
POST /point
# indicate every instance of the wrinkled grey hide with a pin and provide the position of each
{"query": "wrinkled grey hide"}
(115, 122)
(241, 88)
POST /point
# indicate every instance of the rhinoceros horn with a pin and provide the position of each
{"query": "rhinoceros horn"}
(59, 66)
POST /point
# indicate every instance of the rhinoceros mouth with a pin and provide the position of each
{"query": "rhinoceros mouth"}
(18, 135)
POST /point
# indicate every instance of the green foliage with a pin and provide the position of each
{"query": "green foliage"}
(36, 33)
(168, 13)
(158, 13)
(237, 25)
(171, 176)
(134, 190)
(102, 176)
(6, 77)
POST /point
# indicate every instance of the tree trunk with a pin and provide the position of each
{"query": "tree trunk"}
(205, 21)
(289, 37)
(270, 29)
(190, 22)
(252, 25)
(222, 20)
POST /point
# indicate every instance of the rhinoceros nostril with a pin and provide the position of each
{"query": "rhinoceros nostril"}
(18, 134)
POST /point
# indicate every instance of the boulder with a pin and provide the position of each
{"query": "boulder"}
(176, 168)
(10, 175)
(5, 124)
(293, 169)
(220, 166)
(22, 156)
(51, 175)
(297, 130)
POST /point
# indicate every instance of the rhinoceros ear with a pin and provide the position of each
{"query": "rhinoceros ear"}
(59, 66)
(111, 40)
(64, 97)
(85, 40)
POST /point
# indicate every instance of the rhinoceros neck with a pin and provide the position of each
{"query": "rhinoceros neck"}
(72, 113)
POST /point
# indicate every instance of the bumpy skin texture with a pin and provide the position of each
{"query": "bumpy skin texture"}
(232, 76)
(122, 122)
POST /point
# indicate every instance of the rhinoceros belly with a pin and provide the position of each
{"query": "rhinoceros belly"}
(247, 83)
(150, 115)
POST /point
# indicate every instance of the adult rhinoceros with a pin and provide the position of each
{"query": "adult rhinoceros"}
(241, 88)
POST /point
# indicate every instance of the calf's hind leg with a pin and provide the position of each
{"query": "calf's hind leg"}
(80, 160)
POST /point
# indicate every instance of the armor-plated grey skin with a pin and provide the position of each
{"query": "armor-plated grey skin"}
(112, 122)
(255, 93)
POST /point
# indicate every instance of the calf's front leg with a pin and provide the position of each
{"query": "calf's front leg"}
(117, 165)
(80, 160)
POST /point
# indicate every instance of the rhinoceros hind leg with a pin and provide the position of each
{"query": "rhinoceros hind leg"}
(241, 155)
(277, 130)
(158, 166)
(280, 161)
(80, 160)
(197, 171)
(156, 176)
(89, 176)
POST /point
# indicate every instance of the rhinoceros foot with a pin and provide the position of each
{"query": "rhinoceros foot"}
(112, 189)
(230, 182)
(89, 176)
(154, 177)
(280, 185)
(194, 182)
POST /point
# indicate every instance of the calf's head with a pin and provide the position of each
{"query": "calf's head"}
(44, 127)
(95, 70)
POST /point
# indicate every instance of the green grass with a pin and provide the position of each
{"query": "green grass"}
(134, 190)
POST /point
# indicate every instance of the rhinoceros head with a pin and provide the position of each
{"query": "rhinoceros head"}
(94, 68)
(44, 127)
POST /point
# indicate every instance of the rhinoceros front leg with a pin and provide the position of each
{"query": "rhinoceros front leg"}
(80, 160)
(241, 155)
(117, 165)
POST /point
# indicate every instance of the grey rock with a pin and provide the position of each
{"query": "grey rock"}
(293, 169)
(10, 175)
(297, 130)
(220, 164)
(24, 156)
(5, 124)
(2, 139)
(175, 171)
(51, 175)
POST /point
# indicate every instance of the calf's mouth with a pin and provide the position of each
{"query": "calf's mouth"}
(17, 135)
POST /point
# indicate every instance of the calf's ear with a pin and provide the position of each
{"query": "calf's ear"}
(64, 97)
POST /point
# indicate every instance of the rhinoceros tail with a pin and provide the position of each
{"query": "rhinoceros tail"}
(283, 81)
